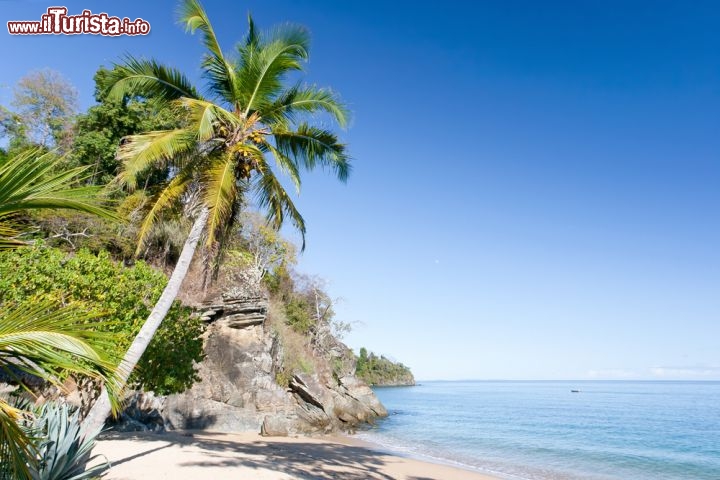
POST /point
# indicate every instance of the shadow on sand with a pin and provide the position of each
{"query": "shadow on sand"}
(302, 460)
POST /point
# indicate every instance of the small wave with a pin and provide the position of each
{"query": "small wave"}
(395, 447)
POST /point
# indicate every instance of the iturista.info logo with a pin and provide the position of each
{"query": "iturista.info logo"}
(56, 21)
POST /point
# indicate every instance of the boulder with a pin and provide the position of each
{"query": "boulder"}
(275, 426)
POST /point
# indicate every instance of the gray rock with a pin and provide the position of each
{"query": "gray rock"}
(238, 392)
(142, 413)
(275, 426)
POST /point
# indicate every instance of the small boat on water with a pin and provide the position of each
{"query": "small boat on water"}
(574, 391)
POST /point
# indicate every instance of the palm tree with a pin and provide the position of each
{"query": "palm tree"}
(41, 339)
(221, 153)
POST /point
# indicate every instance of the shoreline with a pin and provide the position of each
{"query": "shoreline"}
(196, 455)
(384, 449)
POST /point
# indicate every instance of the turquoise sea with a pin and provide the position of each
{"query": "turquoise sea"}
(544, 431)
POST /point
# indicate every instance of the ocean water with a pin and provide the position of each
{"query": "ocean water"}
(543, 431)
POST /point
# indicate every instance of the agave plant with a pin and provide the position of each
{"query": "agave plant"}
(64, 450)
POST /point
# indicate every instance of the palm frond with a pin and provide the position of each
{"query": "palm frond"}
(205, 117)
(16, 447)
(219, 72)
(252, 38)
(221, 193)
(148, 78)
(10, 232)
(46, 341)
(43, 340)
(287, 166)
(304, 100)
(29, 181)
(310, 146)
(140, 152)
(172, 193)
(265, 63)
(271, 195)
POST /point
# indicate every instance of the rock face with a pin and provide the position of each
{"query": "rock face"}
(141, 414)
(238, 391)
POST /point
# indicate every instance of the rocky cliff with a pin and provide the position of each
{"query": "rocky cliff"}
(238, 388)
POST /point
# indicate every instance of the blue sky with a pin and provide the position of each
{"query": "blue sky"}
(535, 193)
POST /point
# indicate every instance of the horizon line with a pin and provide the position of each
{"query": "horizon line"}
(570, 380)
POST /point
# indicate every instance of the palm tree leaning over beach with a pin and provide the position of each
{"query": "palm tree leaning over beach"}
(221, 153)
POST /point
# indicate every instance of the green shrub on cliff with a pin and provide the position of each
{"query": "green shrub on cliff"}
(122, 296)
(296, 355)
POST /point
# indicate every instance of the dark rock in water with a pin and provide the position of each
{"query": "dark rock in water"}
(238, 391)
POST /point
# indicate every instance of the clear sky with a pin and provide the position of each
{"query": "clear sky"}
(536, 184)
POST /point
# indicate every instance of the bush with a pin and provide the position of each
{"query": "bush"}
(298, 315)
(296, 355)
(123, 296)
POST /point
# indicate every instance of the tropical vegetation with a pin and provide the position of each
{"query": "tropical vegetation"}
(28, 181)
(96, 208)
(65, 451)
(220, 155)
(378, 370)
(121, 296)
(42, 338)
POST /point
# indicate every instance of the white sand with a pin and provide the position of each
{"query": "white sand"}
(220, 456)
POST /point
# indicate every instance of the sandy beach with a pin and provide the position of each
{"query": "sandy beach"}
(220, 456)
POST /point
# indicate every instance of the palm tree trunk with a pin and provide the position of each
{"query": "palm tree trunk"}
(101, 409)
